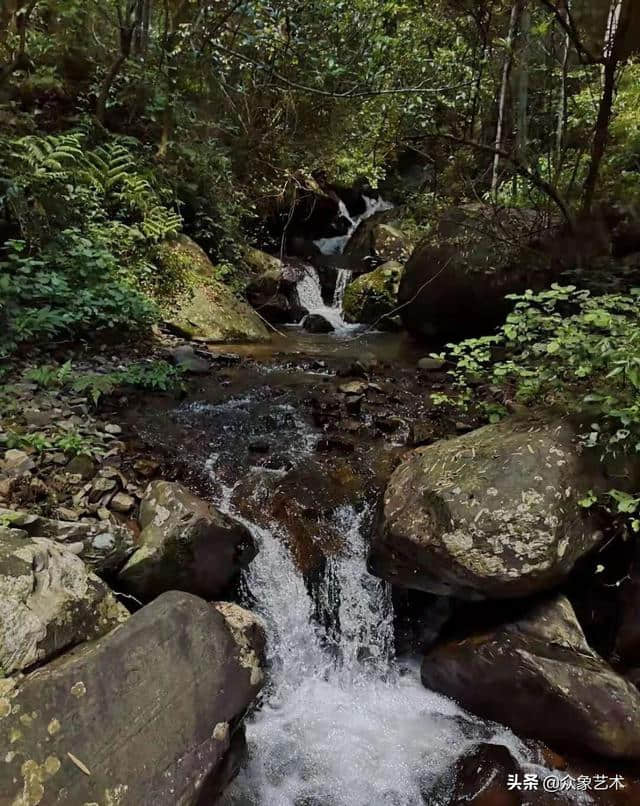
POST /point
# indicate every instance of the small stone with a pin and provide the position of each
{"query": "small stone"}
(113, 429)
(121, 502)
(38, 418)
(429, 364)
(103, 514)
(353, 388)
(146, 467)
(67, 514)
(186, 358)
(99, 487)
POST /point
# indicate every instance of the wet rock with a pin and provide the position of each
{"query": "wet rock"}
(49, 601)
(145, 715)
(480, 777)
(316, 323)
(379, 240)
(186, 358)
(185, 544)
(539, 677)
(370, 298)
(490, 514)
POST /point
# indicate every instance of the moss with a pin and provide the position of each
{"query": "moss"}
(372, 296)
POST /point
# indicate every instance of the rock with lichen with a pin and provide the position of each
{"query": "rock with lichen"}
(490, 514)
(151, 713)
(541, 678)
(49, 601)
(185, 544)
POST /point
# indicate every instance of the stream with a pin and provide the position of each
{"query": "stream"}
(342, 721)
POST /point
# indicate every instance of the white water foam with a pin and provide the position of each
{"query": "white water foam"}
(342, 723)
(337, 244)
(310, 295)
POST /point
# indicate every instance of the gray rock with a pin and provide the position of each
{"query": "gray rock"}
(540, 677)
(145, 715)
(16, 463)
(186, 358)
(185, 544)
(490, 514)
(48, 601)
(104, 547)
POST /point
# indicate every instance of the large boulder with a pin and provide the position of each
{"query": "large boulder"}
(272, 288)
(104, 547)
(540, 677)
(146, 715)
(379, 239)
(209, 311)
(185, 544)
(455, 282)
(49, 601)
(372, 296)
(490, 514)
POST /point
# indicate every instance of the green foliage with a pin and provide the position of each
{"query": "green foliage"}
(153, 376)
(565, 348)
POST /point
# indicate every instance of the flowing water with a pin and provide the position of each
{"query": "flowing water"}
(336, 245)
(310, 295)
(343, 722)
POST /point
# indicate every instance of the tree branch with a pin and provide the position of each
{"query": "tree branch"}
(327, 93)
(564, 18)
(521, 168)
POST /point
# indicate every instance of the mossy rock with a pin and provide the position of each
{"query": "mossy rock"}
(207, 310)
(372, 296)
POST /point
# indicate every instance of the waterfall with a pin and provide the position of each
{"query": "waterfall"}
(310, 295)
(337, 244)
(343, 724)
(342, 281)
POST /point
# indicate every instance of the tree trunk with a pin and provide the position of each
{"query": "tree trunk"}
(504, 89)
(561, 125)
(522, 92)
(103, 96)
(615, 34)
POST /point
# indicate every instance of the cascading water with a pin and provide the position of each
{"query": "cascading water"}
(310, 296)
(337, 244)
(343, 723)
(342, 281)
